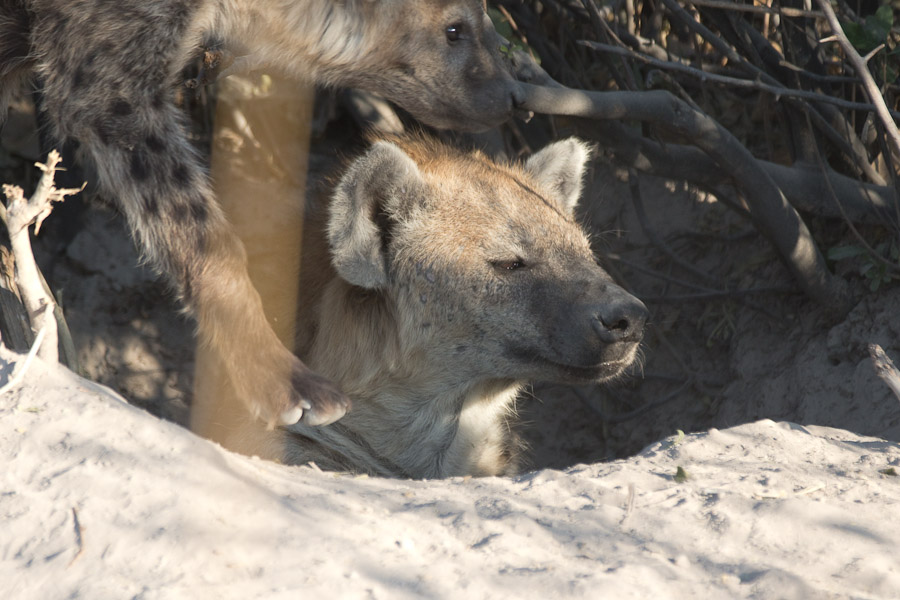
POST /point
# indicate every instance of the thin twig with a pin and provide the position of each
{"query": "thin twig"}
(868, 83)
(634, 185)
(627, 416)
(874, 254)
(752, 8)
(659, 275)
(688, 20)
(735, 294)
(704, 76)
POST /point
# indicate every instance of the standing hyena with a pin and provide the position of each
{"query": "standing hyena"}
(455, 280)
(107, 70)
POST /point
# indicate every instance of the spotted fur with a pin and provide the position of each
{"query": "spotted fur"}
(107, 70)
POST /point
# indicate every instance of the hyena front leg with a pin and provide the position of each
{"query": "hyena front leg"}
(276, 385)
(145, 162)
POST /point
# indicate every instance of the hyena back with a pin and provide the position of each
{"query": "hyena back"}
(107, 71)
(455, 281)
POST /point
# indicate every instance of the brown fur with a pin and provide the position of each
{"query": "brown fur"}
(107, 72)
(428, 323)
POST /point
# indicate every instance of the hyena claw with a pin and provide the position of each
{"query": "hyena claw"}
(320, 402)
(291, 416)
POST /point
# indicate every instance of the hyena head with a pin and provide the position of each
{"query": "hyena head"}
(442, 61)
(484, 266)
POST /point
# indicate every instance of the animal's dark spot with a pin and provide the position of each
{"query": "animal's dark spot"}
(80, 78)
(200, 241)
(179, 212)
(91, 58)
(193, 211)
(155, 144)
(104, 131)
(140, 170)
(407, 69)
(199, 211)
(158, 100)
(121, 108)
(151, 205)
(181, 175)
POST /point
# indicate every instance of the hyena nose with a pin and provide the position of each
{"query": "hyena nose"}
(621, 320)
(518, 96)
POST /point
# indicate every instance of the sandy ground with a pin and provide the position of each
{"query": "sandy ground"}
(99, 499)
(767, 511)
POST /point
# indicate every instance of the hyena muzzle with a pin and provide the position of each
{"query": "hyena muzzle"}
(107, 72)
(455, 281)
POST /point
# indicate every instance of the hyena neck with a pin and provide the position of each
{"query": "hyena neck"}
(431, 433)
(411, 409)
(325, 41)
(483, 443)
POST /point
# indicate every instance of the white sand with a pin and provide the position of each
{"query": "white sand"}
(770, 510)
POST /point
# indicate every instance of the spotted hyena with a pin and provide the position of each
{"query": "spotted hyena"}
(454, 281)
(108, 70)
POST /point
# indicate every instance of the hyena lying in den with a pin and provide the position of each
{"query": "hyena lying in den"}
(108, 71)
(455, 280)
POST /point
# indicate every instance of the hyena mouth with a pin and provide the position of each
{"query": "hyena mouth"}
(599, 372)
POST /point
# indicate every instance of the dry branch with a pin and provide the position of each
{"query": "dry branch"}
(20, 214)
(885, 368)
(804, 184)
(773, 215)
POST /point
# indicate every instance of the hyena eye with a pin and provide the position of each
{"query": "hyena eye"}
(453, 32)
(508, 265)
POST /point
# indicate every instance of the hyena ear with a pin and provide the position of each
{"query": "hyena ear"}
(559, 169)
(367, 203)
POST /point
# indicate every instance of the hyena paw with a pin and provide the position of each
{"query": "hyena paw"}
(315, 400)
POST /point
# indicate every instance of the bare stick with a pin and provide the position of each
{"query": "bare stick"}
(859, 65)
(885, 368)
(35, 346)
(20, 214)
